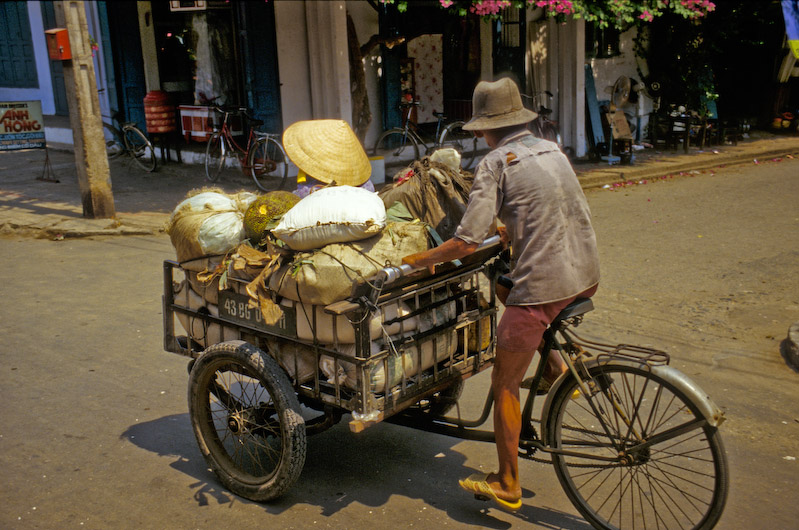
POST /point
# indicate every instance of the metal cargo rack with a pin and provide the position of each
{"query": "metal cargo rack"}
(457, 303)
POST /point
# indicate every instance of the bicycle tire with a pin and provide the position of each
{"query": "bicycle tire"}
(463, 141)
(215, 153)
(247, 420)
(681, 481)
(268, 164)
(115, 145)
(140, 148)
(398, 148)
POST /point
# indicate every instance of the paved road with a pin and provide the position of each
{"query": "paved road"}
(94, 430)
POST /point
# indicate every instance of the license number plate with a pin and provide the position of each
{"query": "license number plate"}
(236, 307)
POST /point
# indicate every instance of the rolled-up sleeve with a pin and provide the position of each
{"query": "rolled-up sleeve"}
(484, 201)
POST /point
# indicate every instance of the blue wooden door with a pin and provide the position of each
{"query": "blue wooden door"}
(56, 67)
(17, 64)
(123, 33)
(261, 83)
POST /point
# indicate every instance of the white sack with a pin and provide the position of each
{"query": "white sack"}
(337, 214)
(208, 223)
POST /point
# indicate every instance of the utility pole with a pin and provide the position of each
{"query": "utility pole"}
(91, 161)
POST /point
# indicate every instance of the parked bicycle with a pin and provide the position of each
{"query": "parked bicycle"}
(262, 157)
(127, 139)
(399, 146)
(544, 127)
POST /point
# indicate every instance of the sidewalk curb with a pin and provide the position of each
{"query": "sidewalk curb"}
(789, 348)
(600, 177)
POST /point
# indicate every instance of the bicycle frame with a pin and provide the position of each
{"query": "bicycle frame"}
(241, 152)
(560, 341)
(412, 129)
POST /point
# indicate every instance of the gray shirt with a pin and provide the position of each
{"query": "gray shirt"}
(530, 185)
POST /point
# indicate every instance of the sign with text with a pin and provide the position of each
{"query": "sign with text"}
(21, 125)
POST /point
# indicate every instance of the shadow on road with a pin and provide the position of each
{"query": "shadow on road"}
(343, 469)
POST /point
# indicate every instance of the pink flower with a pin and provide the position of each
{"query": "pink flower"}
(446, 3)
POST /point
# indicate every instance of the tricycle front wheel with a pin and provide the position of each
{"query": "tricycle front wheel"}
(246, 418)
(663, 467)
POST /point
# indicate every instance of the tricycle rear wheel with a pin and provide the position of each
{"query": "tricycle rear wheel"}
(246, 418)
(441, 402)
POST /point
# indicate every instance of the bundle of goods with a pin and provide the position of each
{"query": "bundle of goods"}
(300, 255)
(327, 275)
(338, 214)
(208, 222)
(434, 190)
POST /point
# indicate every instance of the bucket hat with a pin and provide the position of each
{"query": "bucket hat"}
(328, 151)
(497, 104)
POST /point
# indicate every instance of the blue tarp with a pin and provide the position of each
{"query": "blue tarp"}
(790, 11)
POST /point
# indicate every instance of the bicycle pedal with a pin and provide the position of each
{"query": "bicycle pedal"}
(481, 497)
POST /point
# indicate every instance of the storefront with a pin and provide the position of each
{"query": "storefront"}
(438, 62)
(206, 53)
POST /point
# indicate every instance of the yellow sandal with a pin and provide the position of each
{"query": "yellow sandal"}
(478, 485)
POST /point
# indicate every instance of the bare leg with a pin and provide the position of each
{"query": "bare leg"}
(506, 378)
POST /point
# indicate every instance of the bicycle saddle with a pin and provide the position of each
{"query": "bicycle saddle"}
(576, 308)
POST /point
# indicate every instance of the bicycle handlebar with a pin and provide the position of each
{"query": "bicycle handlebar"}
(392, 274)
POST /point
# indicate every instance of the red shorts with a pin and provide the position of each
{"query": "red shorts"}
(522, 326)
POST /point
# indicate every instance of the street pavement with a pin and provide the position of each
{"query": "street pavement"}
(40, 196)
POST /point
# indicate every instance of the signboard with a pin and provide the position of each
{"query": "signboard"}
(21, 125)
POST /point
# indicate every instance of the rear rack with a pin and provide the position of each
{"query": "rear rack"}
(603, 351)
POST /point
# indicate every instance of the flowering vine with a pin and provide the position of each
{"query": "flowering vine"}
(620, 13)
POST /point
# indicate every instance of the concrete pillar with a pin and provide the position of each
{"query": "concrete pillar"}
(329, 60)
(91, 161)
(152, 78)
(293, 66)
(571, 85)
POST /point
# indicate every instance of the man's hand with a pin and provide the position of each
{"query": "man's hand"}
(504, 239)
(451, 249)
(420, 260)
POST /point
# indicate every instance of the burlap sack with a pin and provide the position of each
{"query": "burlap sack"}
(434, 193)
(327, 275)
(208, 222)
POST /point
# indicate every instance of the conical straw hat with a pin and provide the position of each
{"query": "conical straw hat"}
(328, 150)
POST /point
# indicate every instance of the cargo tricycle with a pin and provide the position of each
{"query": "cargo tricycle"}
(634, 442)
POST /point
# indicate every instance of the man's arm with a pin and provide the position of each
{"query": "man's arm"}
(449, 250)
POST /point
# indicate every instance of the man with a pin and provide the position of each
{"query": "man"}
(530, 185)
